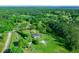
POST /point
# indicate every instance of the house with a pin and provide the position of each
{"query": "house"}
(35, 35)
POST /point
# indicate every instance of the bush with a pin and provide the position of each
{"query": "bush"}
(16, 50)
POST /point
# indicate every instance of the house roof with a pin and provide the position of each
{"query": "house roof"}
(35, 35)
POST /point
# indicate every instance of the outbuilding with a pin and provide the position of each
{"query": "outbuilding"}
(35, 35)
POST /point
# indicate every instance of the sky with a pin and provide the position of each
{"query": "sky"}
(38, 2)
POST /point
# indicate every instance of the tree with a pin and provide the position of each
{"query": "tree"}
(16, 50)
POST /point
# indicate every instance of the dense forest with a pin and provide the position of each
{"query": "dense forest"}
(38, 29)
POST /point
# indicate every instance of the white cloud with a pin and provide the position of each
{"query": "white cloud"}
(39, 2)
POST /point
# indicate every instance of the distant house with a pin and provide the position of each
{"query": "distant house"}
(35, 35)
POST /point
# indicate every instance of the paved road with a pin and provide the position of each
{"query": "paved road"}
(7, 41)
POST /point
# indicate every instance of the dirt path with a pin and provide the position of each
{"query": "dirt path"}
(7, 41)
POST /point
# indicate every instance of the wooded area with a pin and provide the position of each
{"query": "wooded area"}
(38, 29)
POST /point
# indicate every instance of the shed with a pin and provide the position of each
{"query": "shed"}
(35, 35)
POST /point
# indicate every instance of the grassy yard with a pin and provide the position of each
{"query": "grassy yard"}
(50, 46)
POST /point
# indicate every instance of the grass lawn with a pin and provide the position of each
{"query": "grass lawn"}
(50, 46)
(13, 38)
